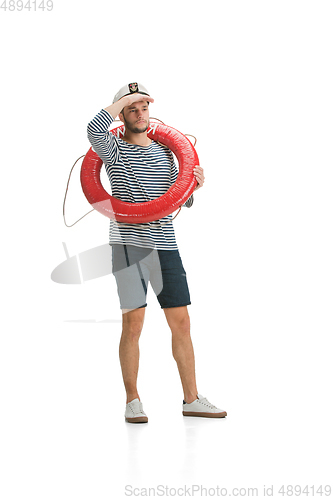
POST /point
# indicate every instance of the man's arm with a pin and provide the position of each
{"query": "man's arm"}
(101, 139)
(115, 108)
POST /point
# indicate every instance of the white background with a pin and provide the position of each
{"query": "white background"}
(252, 80)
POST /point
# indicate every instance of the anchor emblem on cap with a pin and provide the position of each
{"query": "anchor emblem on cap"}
(133, 87)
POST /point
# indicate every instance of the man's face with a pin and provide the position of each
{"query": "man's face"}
(136, 117)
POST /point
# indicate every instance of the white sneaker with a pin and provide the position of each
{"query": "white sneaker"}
(134, 412)
(201, 407)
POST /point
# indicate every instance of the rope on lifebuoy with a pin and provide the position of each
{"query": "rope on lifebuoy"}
(63, 207)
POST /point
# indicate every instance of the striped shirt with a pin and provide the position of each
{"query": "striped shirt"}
(137, 174)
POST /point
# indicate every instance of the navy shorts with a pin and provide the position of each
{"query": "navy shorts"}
(134, 267)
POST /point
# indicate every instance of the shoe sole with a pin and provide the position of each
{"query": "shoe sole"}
(204, 414)
(137, 420)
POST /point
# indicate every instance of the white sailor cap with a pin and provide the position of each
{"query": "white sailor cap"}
(129, 89)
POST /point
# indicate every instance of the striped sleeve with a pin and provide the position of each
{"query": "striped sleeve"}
(189, 202)
(102, 140)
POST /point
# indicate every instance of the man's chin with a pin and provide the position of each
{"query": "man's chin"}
(140, 130)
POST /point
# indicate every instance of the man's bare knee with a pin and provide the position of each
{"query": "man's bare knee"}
(133, 323)
(178, 320)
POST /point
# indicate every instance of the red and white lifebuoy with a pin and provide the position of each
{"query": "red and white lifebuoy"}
(152, 210)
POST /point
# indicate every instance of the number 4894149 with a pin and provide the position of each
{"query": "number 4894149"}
(19, 5)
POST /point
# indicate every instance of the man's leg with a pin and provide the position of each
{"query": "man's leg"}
(182, 349)
(129, 350)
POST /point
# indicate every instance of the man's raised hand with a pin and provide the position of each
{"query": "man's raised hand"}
(127, 100)
(132, 98)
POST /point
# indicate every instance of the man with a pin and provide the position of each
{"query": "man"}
(139, 170)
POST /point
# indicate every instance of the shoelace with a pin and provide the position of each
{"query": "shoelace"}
(134, 408)
(207, 403)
